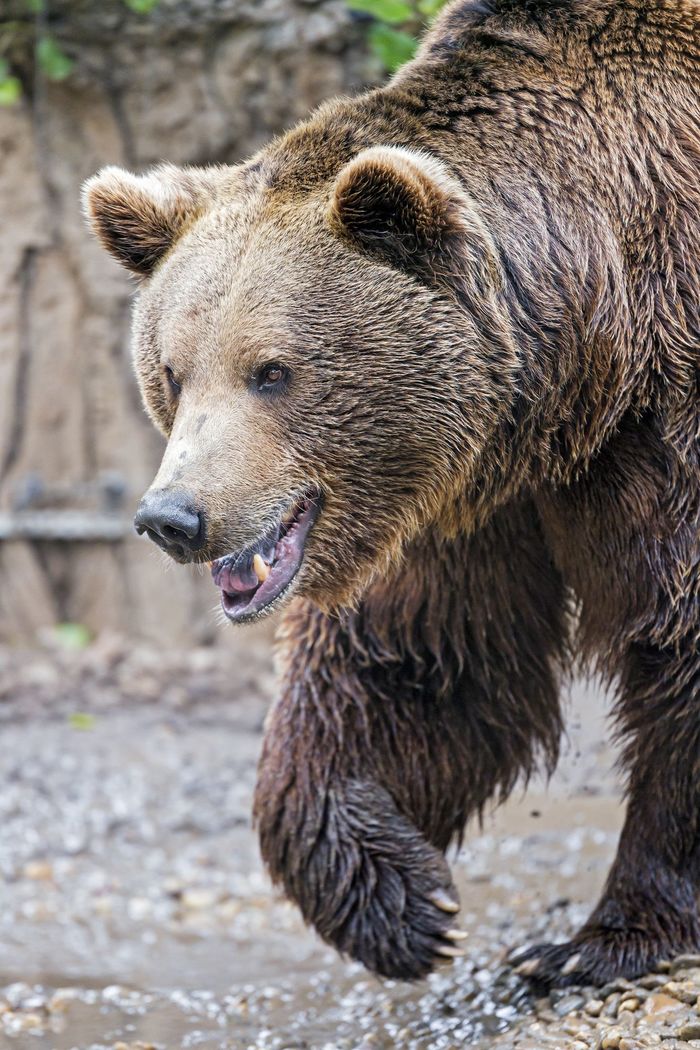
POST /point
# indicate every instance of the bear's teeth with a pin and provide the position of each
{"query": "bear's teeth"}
(260, 568)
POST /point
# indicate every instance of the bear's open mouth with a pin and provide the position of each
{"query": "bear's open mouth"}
(252, 579)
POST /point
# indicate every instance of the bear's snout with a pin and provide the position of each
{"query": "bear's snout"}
(169, 518)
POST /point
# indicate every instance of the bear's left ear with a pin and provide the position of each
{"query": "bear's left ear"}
(399, 203)
(139, 217)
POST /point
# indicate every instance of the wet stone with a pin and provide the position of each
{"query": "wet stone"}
(611, 1039)
(691, 1030)
(652, 980)
(660, 1003)
(611, 1005)
(684, 962)
(621, 984)
(568, 1004)
(684, 991)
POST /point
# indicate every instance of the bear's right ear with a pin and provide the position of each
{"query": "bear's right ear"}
(401, 204)
(139, 217)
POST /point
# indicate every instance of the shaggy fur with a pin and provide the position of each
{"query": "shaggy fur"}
(483, 280)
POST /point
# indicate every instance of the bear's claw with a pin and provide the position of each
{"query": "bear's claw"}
(592, 958)
(443, 900)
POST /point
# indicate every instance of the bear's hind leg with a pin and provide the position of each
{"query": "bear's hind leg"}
(648, 908)
(400, 721)
(627, 540)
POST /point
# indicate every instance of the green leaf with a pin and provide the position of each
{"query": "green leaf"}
(142, 7)
(72, 635)
(391, 11)
(52, 59)
(35, 7)
(430, 8)
(81, 720)
(392, 46)
(10, 91)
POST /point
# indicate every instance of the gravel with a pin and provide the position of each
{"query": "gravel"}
(136, 912)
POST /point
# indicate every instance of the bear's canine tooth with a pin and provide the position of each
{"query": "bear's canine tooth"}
(260, 568)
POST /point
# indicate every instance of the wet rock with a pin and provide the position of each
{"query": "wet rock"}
(567, 1004)
(199, 899)
(684, 962)
(611, 1039)
(659, 1003)
(691, 1030)
(611, 1005)
(652, 980)
(684, 991)
(40, 870)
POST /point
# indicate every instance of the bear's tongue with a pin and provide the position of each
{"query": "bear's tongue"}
(256, 576)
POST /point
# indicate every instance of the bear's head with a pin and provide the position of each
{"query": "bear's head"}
(313, 343)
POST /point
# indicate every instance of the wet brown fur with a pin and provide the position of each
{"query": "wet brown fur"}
(485, 279)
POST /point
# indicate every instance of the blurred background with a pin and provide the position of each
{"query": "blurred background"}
(134, 912)
(129, 82)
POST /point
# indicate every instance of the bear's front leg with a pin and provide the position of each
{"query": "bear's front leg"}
(399, 721)
(362, 875)
(360, 871)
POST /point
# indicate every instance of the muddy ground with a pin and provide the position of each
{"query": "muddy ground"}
(135, 912)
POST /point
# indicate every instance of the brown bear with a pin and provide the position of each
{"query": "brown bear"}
(428, 365)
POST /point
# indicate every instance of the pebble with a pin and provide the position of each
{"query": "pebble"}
(652, 980)
(39, 870)
(611, 1005)
(568, 1004)
(199, 899)
(593, 1007)
(691, 1030)
(660, 1003)
(629, 1004)
(619, 985)
(684, 991)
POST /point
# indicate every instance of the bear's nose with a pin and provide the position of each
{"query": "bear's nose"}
(171, 521)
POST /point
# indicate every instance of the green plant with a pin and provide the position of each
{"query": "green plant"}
(71, 635)
(396, 25)
(27, 34)
(10, 86)
(81, 720)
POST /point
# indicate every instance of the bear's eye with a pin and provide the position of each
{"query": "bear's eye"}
(175, 387)
(271, 377)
